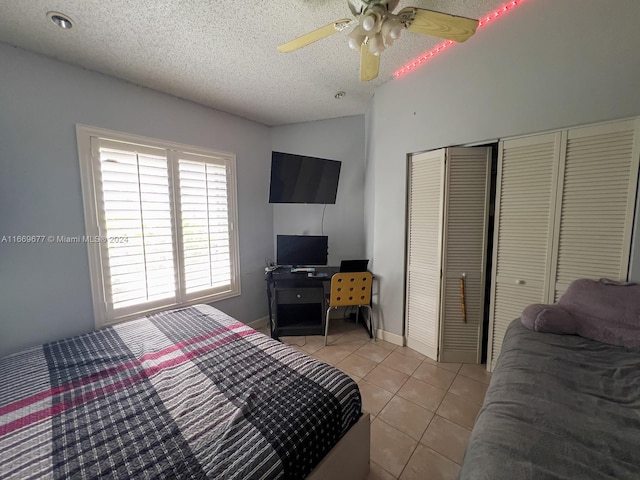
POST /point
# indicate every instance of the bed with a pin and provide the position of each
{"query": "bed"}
(558, 406)
(190, 393)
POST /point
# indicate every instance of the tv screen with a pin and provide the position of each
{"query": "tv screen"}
(298, 250)
(300, 179)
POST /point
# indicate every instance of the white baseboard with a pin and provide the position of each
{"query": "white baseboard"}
(259, 323)
(381, 334)
(390, 337)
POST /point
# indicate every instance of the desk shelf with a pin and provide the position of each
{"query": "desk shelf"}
(296, 302)
(300, 319)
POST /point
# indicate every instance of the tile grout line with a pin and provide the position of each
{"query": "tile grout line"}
(428, 425)
(410, 455)
(418, 441)
(385, 470)
(354, 352)
(421, 362)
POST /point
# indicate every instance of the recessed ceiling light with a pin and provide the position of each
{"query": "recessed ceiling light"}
(60, 19)
(339, 95)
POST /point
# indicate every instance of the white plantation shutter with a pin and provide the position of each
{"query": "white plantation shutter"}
(164, 215)
(136, 208)
(424, 251)
(205, 225)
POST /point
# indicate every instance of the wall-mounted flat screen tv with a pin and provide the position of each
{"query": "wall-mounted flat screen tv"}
(301, 179)
(302, 250)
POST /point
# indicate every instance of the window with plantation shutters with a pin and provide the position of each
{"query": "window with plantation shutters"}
(160, 221)
(205, 220)
(135, 206)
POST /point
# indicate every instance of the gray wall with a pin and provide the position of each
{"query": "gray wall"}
(546, 65)
(336, 139)
(44, 289)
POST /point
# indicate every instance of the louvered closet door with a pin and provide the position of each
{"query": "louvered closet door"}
(527, 184)
(426, 193)
(594, 215)
(464, 242)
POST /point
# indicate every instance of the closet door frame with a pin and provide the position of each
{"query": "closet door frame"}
(557, 201)
(634, 243)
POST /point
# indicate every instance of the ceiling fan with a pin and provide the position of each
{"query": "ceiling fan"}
(377, 27)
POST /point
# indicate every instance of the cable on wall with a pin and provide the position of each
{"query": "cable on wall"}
(322, 222)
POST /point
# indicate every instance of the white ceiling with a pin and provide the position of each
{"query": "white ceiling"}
(222, 54)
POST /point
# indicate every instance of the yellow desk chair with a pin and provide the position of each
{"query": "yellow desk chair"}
(350, 290)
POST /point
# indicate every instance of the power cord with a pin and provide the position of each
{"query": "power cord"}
(322, 223)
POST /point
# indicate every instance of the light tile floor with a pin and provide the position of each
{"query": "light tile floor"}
(421, 411)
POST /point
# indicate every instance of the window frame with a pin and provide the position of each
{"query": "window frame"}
(87, 151)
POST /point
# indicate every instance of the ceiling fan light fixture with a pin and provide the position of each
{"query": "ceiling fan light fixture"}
(357, 37)
(378, 27)
(369, 22)
(376, 44)
(391, 29)
(396, 31)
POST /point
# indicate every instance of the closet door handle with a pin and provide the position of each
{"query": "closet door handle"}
(520, 282)
(463, 302)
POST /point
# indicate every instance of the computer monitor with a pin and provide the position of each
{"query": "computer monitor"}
(302, 250)
(354, 265)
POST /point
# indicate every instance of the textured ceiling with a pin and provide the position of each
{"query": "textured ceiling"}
(222, 54)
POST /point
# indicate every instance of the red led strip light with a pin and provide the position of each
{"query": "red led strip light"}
(416, 62)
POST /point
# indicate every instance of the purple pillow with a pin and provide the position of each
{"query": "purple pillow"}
(548, 318)
(602, 310)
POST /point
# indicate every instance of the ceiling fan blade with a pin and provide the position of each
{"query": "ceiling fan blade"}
(369, 64)
(428, 22)
(314, 36)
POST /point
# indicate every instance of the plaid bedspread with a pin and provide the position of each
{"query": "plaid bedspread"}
(190, 393)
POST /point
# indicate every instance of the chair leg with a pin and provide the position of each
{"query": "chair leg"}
(372, 323)
(326, 326)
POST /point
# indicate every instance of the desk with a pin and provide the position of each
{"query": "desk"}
(296, 301)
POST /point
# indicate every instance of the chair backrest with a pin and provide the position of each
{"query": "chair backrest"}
(350, 289)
